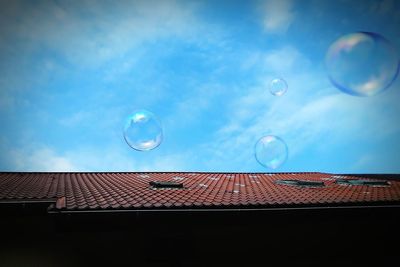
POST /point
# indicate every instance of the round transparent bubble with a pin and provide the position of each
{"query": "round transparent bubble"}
(143, 131)
(278, 87)
(271, 151)
(362, 63)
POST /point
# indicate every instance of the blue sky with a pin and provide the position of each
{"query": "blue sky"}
(72, 71)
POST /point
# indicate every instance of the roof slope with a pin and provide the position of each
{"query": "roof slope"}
(98, 191)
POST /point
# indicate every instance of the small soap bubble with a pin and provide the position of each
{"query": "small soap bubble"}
(143, 131)
(362, 63)
(271, 151)
(278, 87)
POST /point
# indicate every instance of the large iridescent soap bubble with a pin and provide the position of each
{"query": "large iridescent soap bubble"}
(278, 87)
(362, 63)
(271, 151)
(143, 131)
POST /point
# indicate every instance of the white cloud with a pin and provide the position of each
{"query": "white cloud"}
(75, 119)
(311, 114)
(285, 59)
(318, 121)
(92, 33)
(101, 159)
(169, 162)
(194, 105)
(277, 15)
(42, 159)
(372, 162)
(7, 102)
(366, 161)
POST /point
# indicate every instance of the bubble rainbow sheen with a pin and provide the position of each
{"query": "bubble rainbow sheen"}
(271, 151)
(362, 63)
(143, 131)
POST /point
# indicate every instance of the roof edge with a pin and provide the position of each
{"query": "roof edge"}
(199, 210)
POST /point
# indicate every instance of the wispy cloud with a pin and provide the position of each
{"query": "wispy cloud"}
(277, 15)
(43, 159)
(285, 59)
(311, 114)
(111, 157)
(89, 34)
(7, 102)
(75, 119)
(71, 71)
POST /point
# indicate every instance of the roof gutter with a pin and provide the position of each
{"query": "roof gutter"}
(28, 201)
(53, 211)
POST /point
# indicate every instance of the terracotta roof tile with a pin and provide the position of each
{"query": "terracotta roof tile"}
(91, 191)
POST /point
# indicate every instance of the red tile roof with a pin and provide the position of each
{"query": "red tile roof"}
(97, 191)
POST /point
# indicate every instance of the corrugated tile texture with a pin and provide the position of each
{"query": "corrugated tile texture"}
(93, 191)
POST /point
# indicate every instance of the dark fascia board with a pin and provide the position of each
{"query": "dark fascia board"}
(28, 201)
(19, 207)
(377, 205)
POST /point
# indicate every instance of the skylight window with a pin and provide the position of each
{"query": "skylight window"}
(165, 184)
(376, 183)
(338, 177)
(300, 183)
(233, 191)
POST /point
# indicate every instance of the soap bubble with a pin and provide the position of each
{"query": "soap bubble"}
(143, 131)
(278, 87)
(362, 63)
(271, 151)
